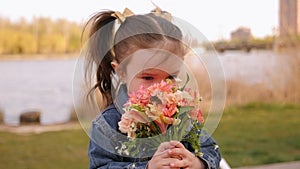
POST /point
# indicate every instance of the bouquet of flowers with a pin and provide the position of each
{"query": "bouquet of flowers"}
(163, 112)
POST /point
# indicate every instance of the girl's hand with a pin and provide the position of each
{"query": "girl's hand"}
(161, 158)
(183, 158)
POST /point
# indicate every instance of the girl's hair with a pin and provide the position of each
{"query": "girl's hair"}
(136, 32)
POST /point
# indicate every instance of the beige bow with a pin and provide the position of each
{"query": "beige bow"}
(122, 16)
(159, 12)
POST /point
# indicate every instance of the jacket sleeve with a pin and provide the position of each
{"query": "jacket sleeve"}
(102, 147)
(102, 159)
(211, 155)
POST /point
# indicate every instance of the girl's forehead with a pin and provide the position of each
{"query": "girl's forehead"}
(155, 61)
(155, 71)
(151, 58)
(174, 47)
(162, 47)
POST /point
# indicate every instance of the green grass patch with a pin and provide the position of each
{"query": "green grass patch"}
(59, 150)
(258, 133)
(252, 134)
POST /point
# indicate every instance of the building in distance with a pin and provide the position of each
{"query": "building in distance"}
(289, 17)
(242, 34)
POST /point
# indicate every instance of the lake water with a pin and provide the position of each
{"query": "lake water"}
(46, 85)
(257, 66)
(43, 85)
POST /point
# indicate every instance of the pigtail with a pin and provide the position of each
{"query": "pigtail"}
(98, 53)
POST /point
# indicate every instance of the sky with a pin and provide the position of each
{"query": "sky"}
(215, 19)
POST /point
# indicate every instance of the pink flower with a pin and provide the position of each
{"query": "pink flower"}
(137, 116)
(159, 114)
(140, 97)
(196, 114)
(170, 110)
(163, 86)
(163, 122)
(124, 124)
(158, 103)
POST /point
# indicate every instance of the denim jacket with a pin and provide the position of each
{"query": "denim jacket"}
(105, 134)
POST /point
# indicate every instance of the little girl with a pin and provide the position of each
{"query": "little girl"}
(136, 50)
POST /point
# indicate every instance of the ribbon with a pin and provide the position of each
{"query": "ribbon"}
(122, 16)
(159, 12)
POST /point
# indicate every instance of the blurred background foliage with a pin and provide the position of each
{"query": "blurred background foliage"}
(42, 35)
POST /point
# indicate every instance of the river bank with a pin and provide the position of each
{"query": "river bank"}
(61, 56)
(37, 128)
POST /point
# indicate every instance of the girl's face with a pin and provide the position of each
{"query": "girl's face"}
(148, 66)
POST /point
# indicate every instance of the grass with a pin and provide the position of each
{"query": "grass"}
(250, 134)
(257, 133)
(59, 150)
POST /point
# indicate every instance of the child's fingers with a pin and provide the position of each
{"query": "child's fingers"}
(164, 146)
(178, 152)
(161, 163)
(175, 163)
(184, 158)
(162, 150)
(176, 144)
(161, 155)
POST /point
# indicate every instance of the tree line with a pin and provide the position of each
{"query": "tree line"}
(252, 43)
(42, 35)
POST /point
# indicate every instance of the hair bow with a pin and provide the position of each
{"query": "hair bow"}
(122, 16)
(159, 12)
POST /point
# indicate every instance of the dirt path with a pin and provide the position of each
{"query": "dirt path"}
(285, 165)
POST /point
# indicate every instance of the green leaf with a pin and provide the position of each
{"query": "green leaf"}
(186, 82)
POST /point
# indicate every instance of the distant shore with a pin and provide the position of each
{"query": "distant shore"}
(49, 56)
(38, 128)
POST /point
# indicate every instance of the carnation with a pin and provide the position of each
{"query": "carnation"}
(163, 109)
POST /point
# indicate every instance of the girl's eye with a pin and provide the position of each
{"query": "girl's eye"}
(147, 78)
